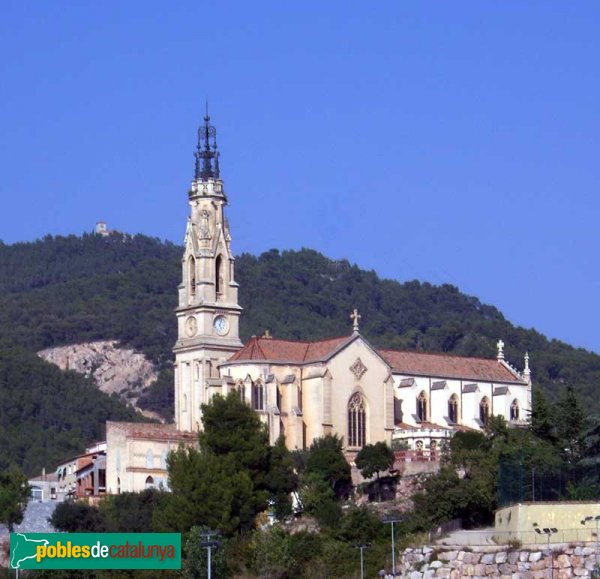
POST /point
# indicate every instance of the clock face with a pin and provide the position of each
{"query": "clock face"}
(191, 326)
(221, 325)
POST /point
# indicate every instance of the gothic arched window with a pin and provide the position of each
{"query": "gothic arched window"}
(192, 275)
(258, 396)
(453, 409)
(422, 407)
(219, 277)
(149, 484)
(357, 421)
(514, 410)
(484, 410)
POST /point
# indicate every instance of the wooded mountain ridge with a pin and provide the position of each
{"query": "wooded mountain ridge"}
(64, 290)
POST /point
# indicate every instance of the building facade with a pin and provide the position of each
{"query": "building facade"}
(301, 389)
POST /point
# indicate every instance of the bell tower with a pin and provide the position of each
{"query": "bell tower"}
(208, 311)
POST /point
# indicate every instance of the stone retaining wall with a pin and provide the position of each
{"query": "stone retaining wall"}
(426, 563)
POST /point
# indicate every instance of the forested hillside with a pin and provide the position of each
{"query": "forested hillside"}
(47, 415)
(71, 289)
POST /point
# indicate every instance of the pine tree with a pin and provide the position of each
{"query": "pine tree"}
(282, 479)
(14, 493)
(542, 424)
(570, 425)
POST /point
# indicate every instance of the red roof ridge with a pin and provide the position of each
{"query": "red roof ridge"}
(438, 354)
(274, 339)
(298, 351)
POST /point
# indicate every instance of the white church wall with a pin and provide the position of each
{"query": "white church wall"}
(371, 384)
(468, 402)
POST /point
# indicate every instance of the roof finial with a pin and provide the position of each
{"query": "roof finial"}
(500, 346)
(355, 316)
(207, 164)
(527, 370)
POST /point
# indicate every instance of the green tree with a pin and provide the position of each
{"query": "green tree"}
(232, 429)
(195, 564)
(326, 460)
(591, 441)
(208, 490)
(542, 424)
(569, 416)
(373, 459)
(14, 493)
(131, 512)
(318, 499)
(282, 479)
(77, 517)
(225, 483)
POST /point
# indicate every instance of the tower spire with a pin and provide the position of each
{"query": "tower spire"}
(207, 155)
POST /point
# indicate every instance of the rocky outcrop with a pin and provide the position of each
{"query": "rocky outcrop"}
(427, 563)
(115, 370)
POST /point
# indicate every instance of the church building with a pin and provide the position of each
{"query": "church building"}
(301, 389)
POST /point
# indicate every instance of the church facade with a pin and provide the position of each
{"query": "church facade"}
(301, 389)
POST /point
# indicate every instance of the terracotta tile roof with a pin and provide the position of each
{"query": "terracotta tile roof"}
(149, 431)
(408, 363)
(272, 350)
(50, 477)
(447, 366)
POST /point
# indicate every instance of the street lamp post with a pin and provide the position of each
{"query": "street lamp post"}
(548, 531)
(390, 520)
(362, 563)
(208, 540)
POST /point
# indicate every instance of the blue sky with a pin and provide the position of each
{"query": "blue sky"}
(445, 141)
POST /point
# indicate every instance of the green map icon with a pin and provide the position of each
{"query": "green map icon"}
(23, 548)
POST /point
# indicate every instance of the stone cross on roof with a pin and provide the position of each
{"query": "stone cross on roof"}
(355, 317)
(500, 346)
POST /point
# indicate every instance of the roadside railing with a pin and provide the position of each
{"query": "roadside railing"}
(416, 456)
(480, 538)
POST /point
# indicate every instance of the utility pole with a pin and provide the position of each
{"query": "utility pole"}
(208, 540)
(362, 562)
(391, 520)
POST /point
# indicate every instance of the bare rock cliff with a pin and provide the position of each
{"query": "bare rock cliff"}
(115, 370)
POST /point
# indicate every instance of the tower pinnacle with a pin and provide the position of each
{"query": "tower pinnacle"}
(207, 155)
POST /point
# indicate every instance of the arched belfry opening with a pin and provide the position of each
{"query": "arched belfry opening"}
(219, 277)
(192, 275)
